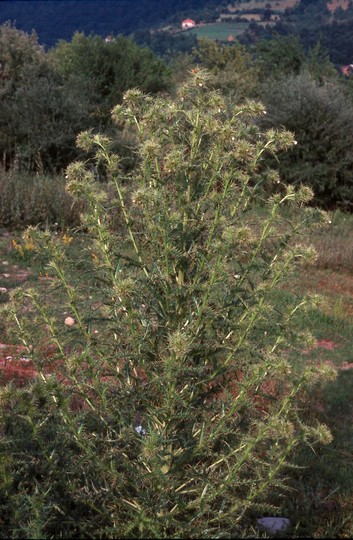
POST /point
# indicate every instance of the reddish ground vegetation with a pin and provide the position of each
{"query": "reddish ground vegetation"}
(261, 397)
(16, 367)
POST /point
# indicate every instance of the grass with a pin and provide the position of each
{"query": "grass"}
(336, 248)
(220, 30)
(27, 199)
(320, 501)
(323, 487)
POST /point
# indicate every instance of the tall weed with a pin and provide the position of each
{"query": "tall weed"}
(168, 407)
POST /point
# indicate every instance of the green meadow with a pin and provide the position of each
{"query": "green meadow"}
(220, 31)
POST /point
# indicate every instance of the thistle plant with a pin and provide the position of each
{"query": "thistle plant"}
(173, 409)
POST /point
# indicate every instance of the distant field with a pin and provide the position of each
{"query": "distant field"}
(220, 30)
(278, 5)
(334, 4)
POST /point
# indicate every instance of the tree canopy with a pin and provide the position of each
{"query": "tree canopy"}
(47, 98)
(105, 69)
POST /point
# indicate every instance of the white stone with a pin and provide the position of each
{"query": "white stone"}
(140, 430)
(274, 524)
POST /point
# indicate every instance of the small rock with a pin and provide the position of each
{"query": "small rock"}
(69, 321)
(274, 524)
(3, 290)
(140, 430)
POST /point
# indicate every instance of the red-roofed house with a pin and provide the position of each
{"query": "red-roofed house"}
(347, 70)
(188, 23)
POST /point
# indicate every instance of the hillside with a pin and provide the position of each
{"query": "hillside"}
(59, 19)
(330, 22)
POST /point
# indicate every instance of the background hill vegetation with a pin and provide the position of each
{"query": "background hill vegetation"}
(310, 20)
(54, 20)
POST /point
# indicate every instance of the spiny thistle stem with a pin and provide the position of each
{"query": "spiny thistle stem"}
(128, 224)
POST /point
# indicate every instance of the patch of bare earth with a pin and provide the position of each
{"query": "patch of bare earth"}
(327, 282)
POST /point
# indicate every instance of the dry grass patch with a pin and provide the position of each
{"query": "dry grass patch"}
(335, 246)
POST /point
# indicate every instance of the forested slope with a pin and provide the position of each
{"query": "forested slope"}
(59, 19)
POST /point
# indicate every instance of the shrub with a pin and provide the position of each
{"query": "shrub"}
(103, 71)
(40, 115)
(168, 408)
(235, 73)
(321, 117)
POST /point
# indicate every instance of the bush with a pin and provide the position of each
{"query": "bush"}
(168, 408)
(321, 118)
(40, 115)
(35, 200)
(235, 73)
(103, 71)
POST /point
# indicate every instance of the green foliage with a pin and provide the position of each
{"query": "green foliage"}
(166, 44)
(232, 66)
(17, 49)
(48, 98)
(43, 118)
(321, 117)
(279, 56)
(104, 70)
(309, 22)
(318, 64)
(39, 115)
(173, 409)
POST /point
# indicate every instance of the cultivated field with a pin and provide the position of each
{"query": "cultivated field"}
(220, 31)
(334, 4)
(279, 5)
